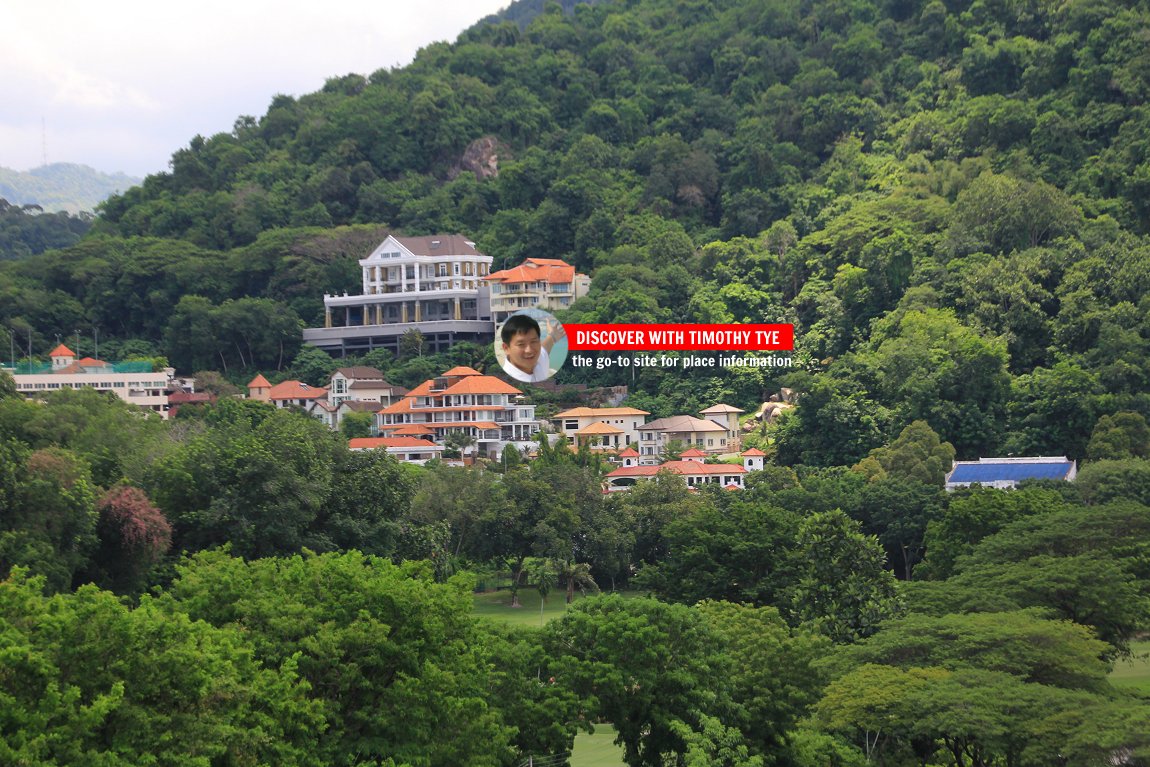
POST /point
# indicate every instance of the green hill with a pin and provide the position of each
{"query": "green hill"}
(948, 199)
(62, 187)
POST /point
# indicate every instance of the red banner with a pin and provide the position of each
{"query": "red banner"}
(651, 338)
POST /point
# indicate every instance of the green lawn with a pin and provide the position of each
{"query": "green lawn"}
(1133, 673)
(597, 750)
(497, 605)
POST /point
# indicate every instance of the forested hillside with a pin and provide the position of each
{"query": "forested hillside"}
(948, 200)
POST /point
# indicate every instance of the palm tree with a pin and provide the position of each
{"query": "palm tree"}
(577, 574)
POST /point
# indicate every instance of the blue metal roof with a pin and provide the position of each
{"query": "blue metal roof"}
(998, 472)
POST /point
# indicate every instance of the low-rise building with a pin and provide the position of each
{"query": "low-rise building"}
(694, 472)
(615, 427)
(702, 433)
(537, 283)
(406, 449)
(133, 382)
(1006, 473)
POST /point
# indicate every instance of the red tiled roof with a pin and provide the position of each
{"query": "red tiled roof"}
(62, 351)
(259, 382)
(462, 370)
(753, 451)
(693, 453)
(79, 365)
(630, 452)
(184, 398)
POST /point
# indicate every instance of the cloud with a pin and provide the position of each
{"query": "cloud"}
(122, 86)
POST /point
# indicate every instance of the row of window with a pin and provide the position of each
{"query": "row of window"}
(135, 385)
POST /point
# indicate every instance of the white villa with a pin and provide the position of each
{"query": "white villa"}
(430, 284)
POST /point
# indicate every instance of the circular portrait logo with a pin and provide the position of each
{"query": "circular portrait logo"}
(531, 345)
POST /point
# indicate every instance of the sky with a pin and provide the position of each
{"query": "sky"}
(120, 86)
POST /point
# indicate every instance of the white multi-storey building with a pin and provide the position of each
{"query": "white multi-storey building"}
(132, 382)
(430, 284)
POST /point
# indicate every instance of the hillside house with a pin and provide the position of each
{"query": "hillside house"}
(488, 409)
(431, 284)
(537, 283)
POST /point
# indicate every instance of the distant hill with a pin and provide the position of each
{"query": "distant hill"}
(62, 186)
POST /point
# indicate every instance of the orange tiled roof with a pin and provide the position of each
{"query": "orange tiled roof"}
(408, 429)
(753, 451)
(403, 406)
(62, 351)
(462, 370)
(630, 452)
(550, 270)
(599, 428)
(368, 443)
(296, 390)
(481, 384)
(259, 382)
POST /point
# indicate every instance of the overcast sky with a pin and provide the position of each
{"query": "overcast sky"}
(121, 85)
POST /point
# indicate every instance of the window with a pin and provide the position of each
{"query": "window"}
(710, 443)
(456, 268)
(571, 425)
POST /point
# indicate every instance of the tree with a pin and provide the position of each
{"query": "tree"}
(134, 536)
(1102, 481)
(259, 486)
(50, 527)
(774, 675)
(371, 492)
(457, 441)
(394, 658)
(740, 552)
(89, 681)
(1122, 435)
(642, 665)
(974, 514)
(917, 454)
(356, 424)
(843, 590)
